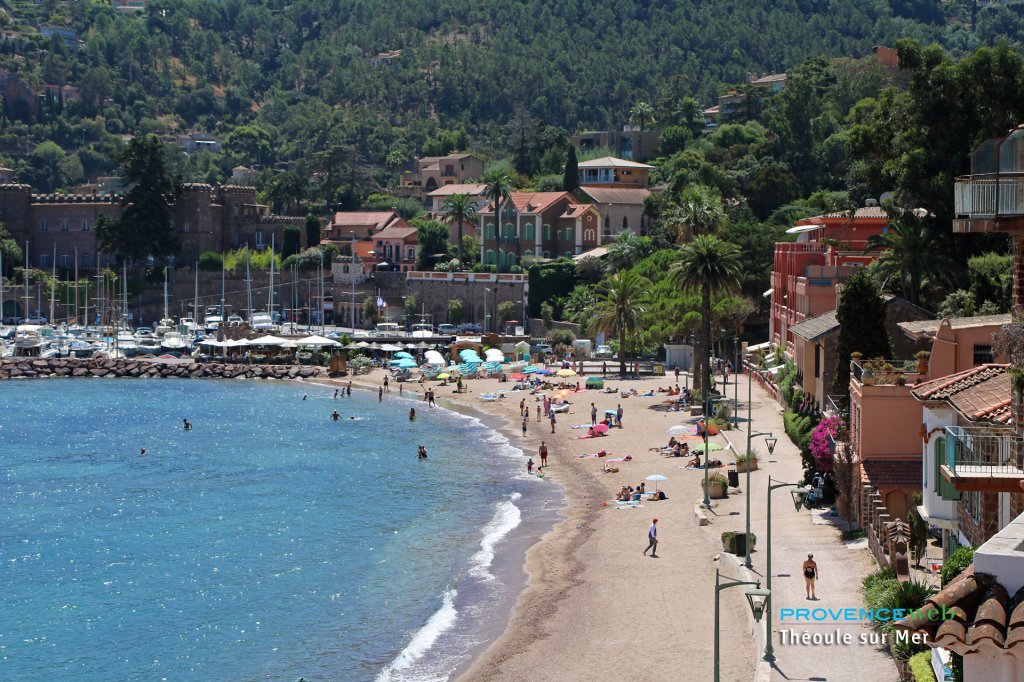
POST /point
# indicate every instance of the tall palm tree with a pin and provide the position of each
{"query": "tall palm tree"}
(712, 267)
(458, 209)
(497, 188)
(699, 211)
(914, 253)
(621, 309)
(641, 113)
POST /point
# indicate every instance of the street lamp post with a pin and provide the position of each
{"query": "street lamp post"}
(771, 440)
(736, 389)
(799, 493)
(757, 598)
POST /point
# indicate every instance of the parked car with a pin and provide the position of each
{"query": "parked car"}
(542, 349)
(603, 351)
(35, 319)
(446, 329)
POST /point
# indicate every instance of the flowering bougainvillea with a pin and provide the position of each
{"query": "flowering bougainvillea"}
(820, 445)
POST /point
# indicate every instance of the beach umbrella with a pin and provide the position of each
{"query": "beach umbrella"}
(611, 412)
(712, 447)
(406, 363)
(316, 340)
(565, 373)
(530, 369)
(267, 341)
(403, 354)
(518, 376)
(412, 345)
(545, 372)
(362, 344)
(421, 345)
(444, 375)
(390, 348)
(601, 428)
(656, 479)
(681, 430)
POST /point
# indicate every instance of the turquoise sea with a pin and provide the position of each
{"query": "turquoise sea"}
(269, 542)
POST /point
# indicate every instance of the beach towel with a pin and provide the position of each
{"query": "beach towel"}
(627, 458)
(627, 505)
(596, 435)
(594, 456)
(583, 426)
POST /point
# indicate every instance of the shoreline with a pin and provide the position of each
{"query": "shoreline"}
(585, 570)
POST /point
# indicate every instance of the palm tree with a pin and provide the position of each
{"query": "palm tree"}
(914, 253)
(641, 113)
(459, 210)
(620, 309)
(712, 267)
(699, 211)
(627, 251)
(497, 188)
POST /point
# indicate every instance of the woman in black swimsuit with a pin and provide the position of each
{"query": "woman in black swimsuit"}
(810, 575)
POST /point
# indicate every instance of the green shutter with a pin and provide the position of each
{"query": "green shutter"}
(944, 488)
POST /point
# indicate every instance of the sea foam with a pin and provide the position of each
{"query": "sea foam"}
(506, 517)
(442, 620)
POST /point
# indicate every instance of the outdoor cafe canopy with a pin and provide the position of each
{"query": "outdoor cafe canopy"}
(316, 340)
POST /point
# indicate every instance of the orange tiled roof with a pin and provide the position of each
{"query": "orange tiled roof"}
(892, 473)
(983, 613)
(980, 394)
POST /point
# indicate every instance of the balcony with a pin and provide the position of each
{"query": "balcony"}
(838, 406)
(879, 372)
(984, 204)
(981, 458)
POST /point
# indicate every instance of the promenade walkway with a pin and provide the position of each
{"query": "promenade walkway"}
(794, 535)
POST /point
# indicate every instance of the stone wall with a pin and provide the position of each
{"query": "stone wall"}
(29, 368)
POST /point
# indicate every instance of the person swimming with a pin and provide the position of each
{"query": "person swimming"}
(335, 416)
(186, 424)
(142, 452)
(412, 414)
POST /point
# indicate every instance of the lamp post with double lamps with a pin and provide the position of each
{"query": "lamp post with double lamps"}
(757, 598)
(799, 494)
(770, 441)
(736, 370)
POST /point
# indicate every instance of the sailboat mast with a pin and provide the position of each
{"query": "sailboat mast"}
(28, 302)
(195, 301)
(53, 281)
(223, 268)
(76, 285)
(270, 299)
(248, 287)
(165, 292)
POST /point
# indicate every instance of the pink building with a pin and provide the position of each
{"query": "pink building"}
(808, 271)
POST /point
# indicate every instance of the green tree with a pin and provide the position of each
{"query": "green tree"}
(642, 113)
(571, 177)
(144, 228)
(861, 317)
(627, 251)
(699, 211)
(547, 314)
(370, 312)
(620, 309)
(506, 312)
(284, 191)
(292, 241)
(914, 254)
(433, 244)
(712, 267)
(313, 231)
(456, 309)
(251, 141)
(460, 210)
(498, 188)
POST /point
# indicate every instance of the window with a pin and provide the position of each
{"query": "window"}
(944, 488)
(64, 226)
(529, 232)
(44, 260)
(972, 505)
(65, 260)
(86, 227)
(625, 223)
(259, 239)
(982, 354)
(489, 232)
(186, 227)
(817, 361)
(489, 257)
(510, 260)
(410, 252)
(84, 258)
(570, 234)
(607, 225)
(546, 230)
(547, 254)
(42, 226)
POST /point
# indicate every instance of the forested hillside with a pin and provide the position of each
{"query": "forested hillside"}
(303, 71)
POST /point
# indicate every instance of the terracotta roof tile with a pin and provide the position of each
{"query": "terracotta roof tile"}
(981, 609)
(980, 394)
(889, 473)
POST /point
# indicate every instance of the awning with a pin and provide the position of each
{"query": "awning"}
(316, 340)
(767, 293)
(760, 346)
(797, 229)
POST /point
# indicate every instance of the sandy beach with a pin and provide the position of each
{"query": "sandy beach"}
(594, 607)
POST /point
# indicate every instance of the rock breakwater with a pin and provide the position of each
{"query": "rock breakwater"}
(32, 368)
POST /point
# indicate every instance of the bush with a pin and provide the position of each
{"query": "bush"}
(211, 261)
(957, 563)
(921, 667)
(563, 337)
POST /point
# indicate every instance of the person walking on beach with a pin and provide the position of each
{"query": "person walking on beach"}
(187, 425)
(522, 406)
(652, 539)
(529, 466)
(430, 397)
(543, 454)
(400, 387)
(386, 384)
(538, 414)
(380, 394)
(593, 413)
(618, 416)
(551, 414)
(810, 569)
(677, 374)
(526, 419)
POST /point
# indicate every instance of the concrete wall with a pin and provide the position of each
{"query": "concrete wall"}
(434, 294)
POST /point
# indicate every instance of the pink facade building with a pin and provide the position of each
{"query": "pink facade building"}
(808, 272)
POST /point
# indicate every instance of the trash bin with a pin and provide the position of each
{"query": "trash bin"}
(741, 544)
(734, 479)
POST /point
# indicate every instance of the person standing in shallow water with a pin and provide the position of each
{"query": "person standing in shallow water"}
(380, 394)
(422, 452)
(543, 454)
(186, 424)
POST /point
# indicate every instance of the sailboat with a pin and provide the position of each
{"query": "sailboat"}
(166, 324)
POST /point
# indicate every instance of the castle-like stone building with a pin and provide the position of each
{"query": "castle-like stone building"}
(205, 218)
